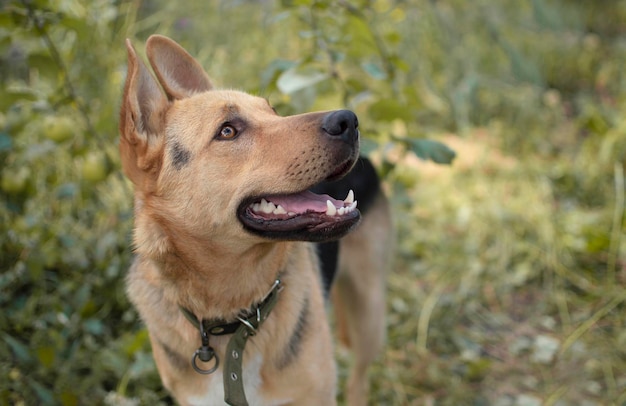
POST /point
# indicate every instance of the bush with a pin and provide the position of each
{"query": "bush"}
(509, 282)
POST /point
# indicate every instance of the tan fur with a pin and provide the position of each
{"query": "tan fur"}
(358, 294)
(191, 250)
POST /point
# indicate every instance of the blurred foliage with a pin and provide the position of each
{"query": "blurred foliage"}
(509, 282)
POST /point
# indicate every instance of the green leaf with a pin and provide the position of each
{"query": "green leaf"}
(21, 351)
(387, 110)
(68, 398)
(522, 66)
(44, 394)
(367, 146)
(94, 326)
(135, 342)
(356, 85)
(294, 79)
(143, 364)
(393, 37)
(66, 190)
(80, 26)
(295, 3)
(6, 143)
(45, 65)
(431, 150)
(14, 19)
(273, 70)
(547, 16)
(303, 99)
(374, 70)
(9, 97)
(46, 355)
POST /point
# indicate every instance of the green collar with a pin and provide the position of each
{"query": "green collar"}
(244, 327)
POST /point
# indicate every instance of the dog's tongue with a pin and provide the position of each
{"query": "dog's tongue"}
(305, 201)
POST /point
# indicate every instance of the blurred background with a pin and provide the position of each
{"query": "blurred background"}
(499, 128)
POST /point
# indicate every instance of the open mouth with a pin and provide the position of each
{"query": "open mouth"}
(301, 216)
(293, 205)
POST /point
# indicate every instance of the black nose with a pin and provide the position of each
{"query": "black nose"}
(342, 124)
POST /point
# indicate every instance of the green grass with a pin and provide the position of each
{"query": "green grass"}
(496, 297)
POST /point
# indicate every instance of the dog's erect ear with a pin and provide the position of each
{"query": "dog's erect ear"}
(143, 97)
(178, 72)
(141, 122)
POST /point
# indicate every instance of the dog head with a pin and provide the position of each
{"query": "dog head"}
(217, 164)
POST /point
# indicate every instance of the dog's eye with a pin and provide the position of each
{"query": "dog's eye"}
(228, 132)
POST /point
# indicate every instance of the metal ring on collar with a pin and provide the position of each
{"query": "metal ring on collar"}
(194, 363)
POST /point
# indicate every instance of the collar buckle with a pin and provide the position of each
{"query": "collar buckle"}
(252, 329)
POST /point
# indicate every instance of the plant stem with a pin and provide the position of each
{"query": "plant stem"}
(616, 232)
(586, 326)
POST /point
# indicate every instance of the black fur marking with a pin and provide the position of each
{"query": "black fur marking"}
(328, 254)
(363, 179)
(293, 347)
(180, 156)
(366, 185)
(177, 360)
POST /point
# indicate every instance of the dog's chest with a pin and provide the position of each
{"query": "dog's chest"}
(214, 394)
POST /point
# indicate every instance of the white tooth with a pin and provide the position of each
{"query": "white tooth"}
(291, 213)
(341, 211)
(267, 207)
(350, 198)
(256, 207)
(331, 210)
(280, 210)
(353, 205)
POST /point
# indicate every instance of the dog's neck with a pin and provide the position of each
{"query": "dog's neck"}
(208, 277)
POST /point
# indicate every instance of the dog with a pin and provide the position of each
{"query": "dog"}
(226, 274)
